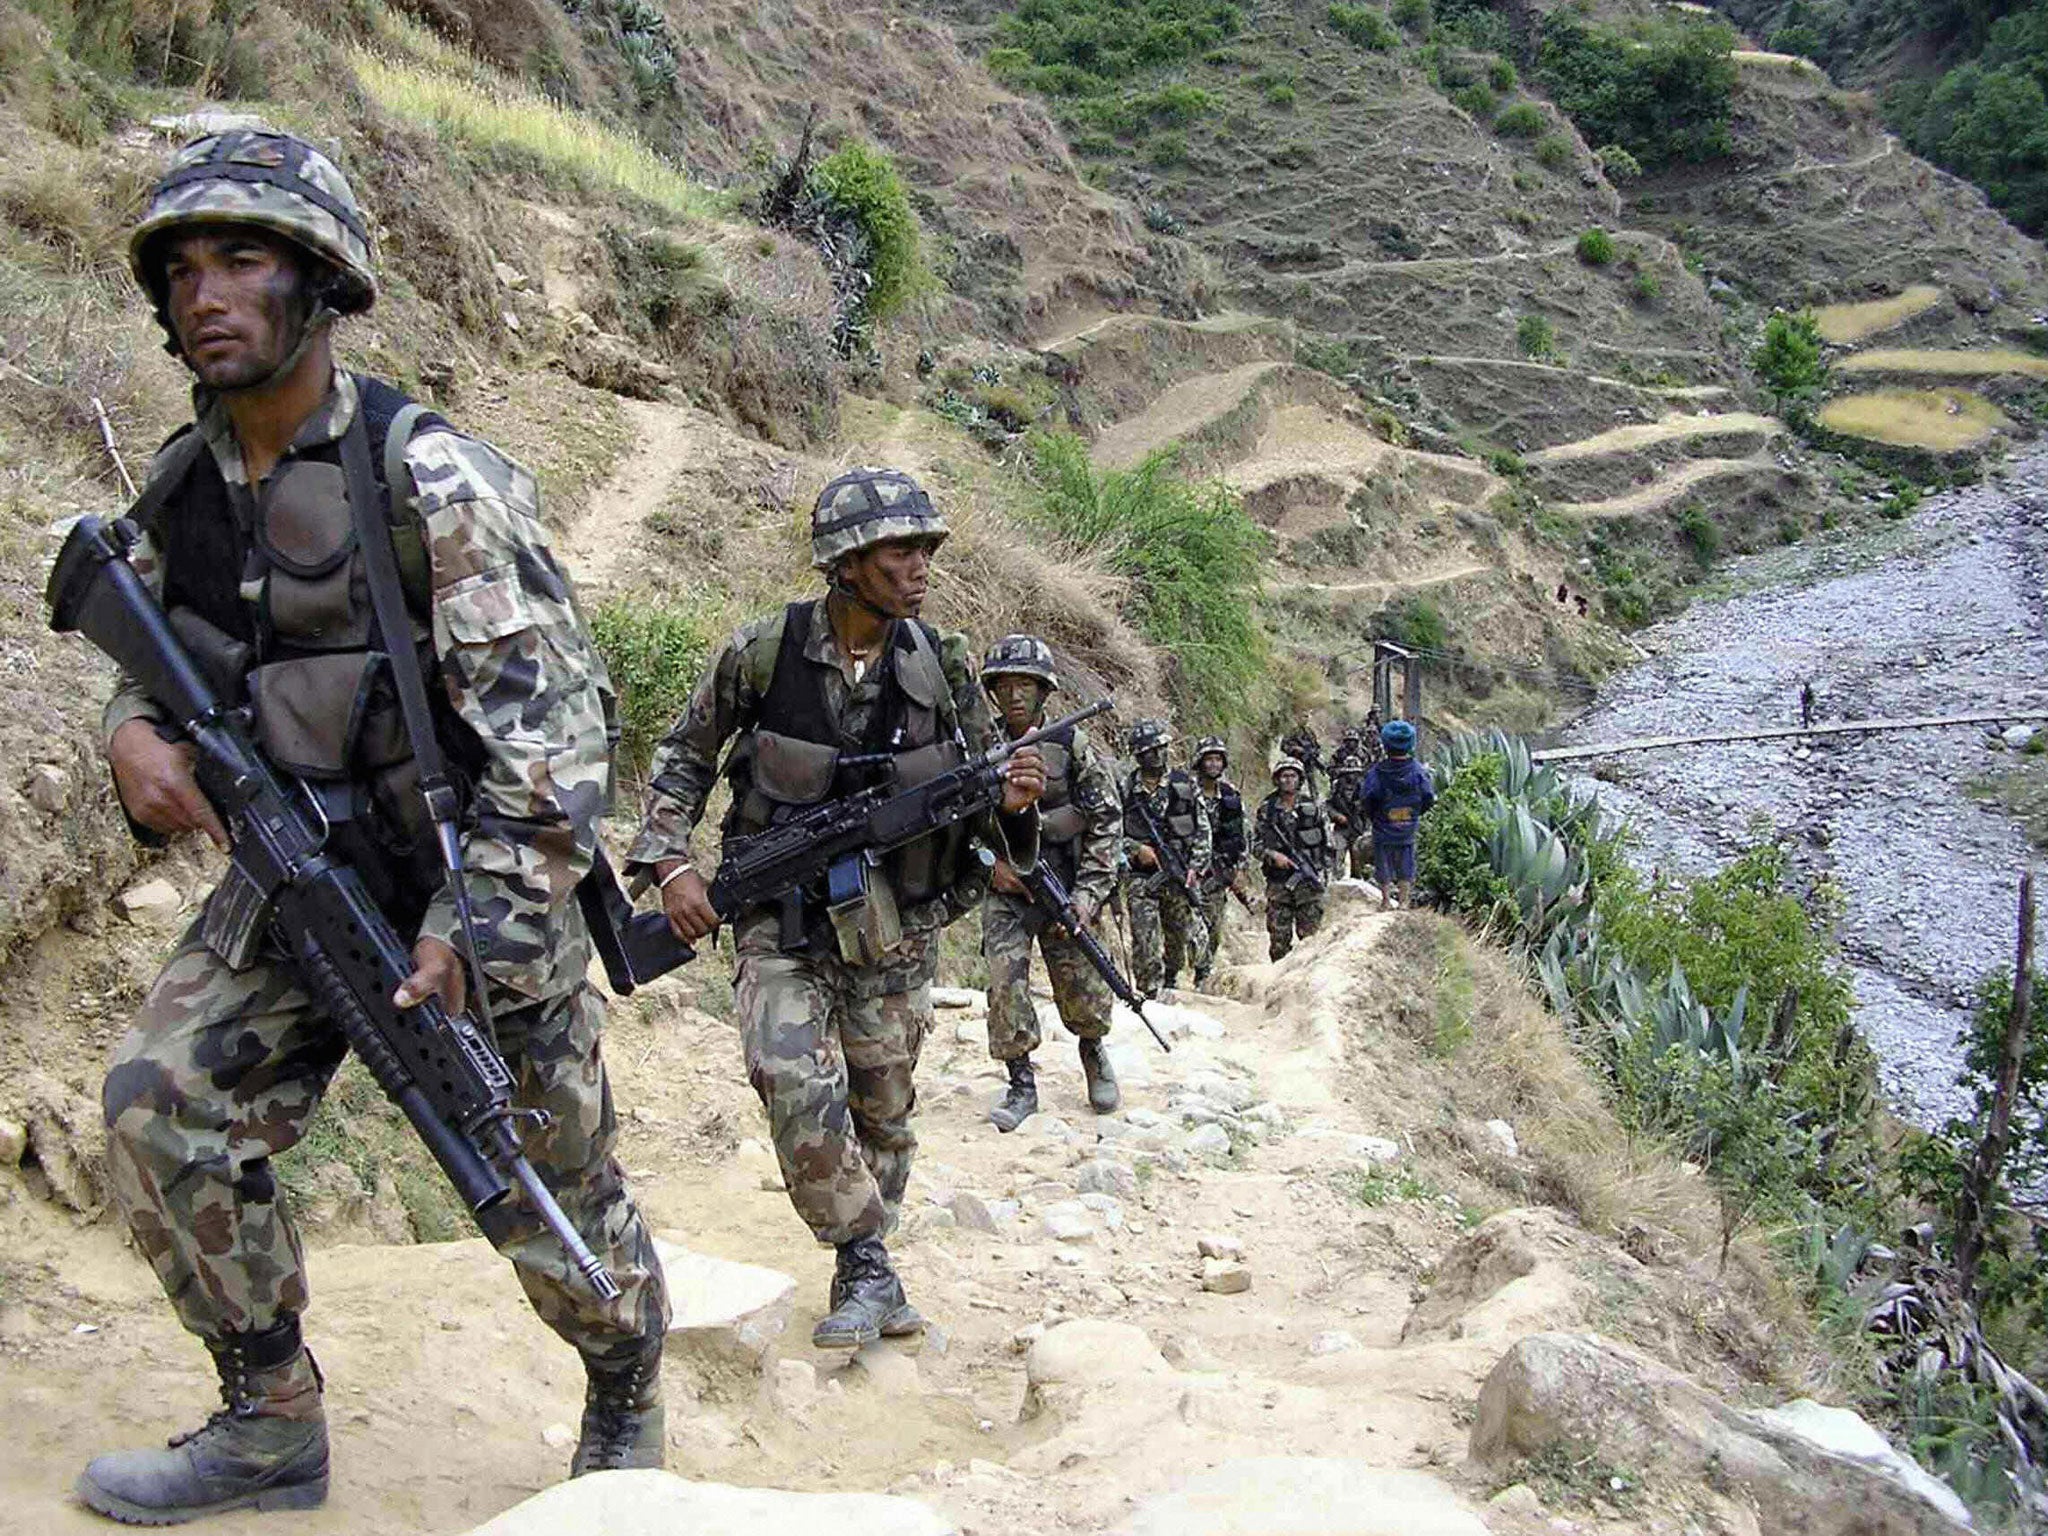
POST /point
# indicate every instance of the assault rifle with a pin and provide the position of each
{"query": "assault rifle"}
(1171, 864)
(1303, 872)
(827, 841)
(438, 1067)
(1049, 894)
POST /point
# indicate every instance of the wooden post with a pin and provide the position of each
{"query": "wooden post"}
(1975, 1217)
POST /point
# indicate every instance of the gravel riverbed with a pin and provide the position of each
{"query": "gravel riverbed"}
(1941, 614)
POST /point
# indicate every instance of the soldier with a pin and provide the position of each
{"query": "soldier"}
(1396, 794)
(1166, 926)
(1227, 848)
(1079, 826)
(250, 249)
(827, 697)
(1301, 745)
(1353, 835)
(1293, 828)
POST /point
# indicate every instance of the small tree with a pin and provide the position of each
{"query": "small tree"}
(1790, 361)
(1596, 247)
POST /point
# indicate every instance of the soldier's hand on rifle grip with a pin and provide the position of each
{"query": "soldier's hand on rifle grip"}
(686, 900)
(437, 972)
(1004, 879)
(1084, 909)
(1145, 858)
(154, 780)
(1280, 861)
(1023, 780)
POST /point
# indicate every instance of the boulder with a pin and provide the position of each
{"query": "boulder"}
(1305, 1496)
(1555, 1388)
(1219, 1245)
(65, 1131)
(725, 1316)
(1225, 1277)
(1510, 1275)
(49, 788)
(1088, 1352)
(661, 1504)
(1209, 1141)
(2017, 736)
(972, 1212)
(151, 903)
(13, 1142)
(1068, 1221)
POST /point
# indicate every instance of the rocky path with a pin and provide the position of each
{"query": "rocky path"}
(1944, 613)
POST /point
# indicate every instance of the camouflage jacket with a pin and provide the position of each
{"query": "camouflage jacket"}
(727, 702)
(1227, 830)
(1088, 864)
(1179, 810)
(517, 667)
(1306, 826)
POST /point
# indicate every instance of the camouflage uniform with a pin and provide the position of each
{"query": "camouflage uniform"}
(1225, 805)
(1166, 925)
(1351, 845)
(830, 1046)
(1294, 908)
(222, 1070)
(1085, 861)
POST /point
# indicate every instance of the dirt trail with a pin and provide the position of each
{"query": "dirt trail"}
(1177, 414)
(1665, 489)
(1671, 429)
(1425, 579)
(449, 1402)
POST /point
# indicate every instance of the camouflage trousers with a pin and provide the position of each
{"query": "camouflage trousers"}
(1167, 931)
(1361, 854)
(832, 1050)
(1078, 990)
(1212, 901)
(223, 1070)
(1291, 912)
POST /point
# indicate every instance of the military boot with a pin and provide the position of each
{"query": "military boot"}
(265, 1449)
(865, 1292)
(1020, 1099)
(1103, 1096)
(905, 1322)
(623, 1424)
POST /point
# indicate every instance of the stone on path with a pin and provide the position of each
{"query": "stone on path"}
(1305, 1496)
(1105, 1176)
(1068, 1221)
(662, 1504)
(1091, 1351)
(1802, 1463)
(13, 1142)
(1209, 1141)
(49, 788)
(152, 903)
(1219, 1245)
(725, 1316)
(972, 1212)
(1332, 1341)
(960, 997)
(1225, 1277)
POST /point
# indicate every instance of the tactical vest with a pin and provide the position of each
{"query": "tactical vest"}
(1178, 822)
(268, 592)
(1304, 822)
(1226, 825)
(796, 756)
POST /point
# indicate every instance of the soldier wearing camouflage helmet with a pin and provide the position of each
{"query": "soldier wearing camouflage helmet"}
(1166, 924)
(1228, 846)
(828, 696)
(1347, 819)
(250, 249)
(1079, 827)
(1293, 828)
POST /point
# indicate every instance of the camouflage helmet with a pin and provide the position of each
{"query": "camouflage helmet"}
(1019, 656)
(273, 181)
(1207, 744)
(867, 506)
(1289, 765)
(1148, 735)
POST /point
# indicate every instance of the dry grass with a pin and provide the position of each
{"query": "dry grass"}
(1988, 362)
(1940, 419)
(423, 80)
(1846, 324)
(1791, 63)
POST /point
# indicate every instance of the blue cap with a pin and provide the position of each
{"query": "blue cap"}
(1397, 736)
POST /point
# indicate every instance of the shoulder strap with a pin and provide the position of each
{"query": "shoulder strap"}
(174, 462)
(408, 540)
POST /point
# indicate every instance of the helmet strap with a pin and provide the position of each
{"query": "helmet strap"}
(838, 588)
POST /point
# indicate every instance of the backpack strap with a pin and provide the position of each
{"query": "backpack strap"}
(167, 473)
(408, 542)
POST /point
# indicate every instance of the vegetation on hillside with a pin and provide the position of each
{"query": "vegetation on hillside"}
(1718, 1012)
(1660, 89)
(1965, 82)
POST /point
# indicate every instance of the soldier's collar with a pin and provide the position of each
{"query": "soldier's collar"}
(329, 420)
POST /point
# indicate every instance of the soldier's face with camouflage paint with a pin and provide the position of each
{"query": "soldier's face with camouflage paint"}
(1288, 782)
(891, 576)
(1211, 765)
(1020, 698)
(235, 299)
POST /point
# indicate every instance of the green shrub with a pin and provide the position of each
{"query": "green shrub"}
(1173, 106)
(1280, 94)
(1596, 247)
(1699, 532)
(1789, 361)
(1661, 91)
(1509, 466)
(1475, 99)
(1415, 622)
(1523, 120)
(654, 652)
(1192, 557)
(1167, 149)
(1082, 47)
(1363, 25)
(1617, 164)
(1533, 334)
(1646, 287)
(862, 179)
(1554, 152)
(1412, 14)
(1500, 74)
